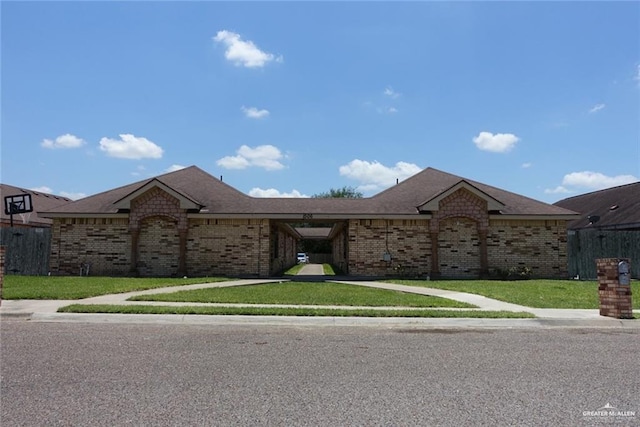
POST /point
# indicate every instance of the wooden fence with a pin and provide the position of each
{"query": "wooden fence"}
(27, 250)
(585, 246)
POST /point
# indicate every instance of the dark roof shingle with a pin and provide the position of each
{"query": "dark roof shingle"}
(614, 207)
(217, 197)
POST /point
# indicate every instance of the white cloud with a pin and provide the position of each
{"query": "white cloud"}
(174, 168)
(637, 76)
(73, 196)
(243, 53)
(264, 156)
(558, 190)
(498, 143)
(272, 192)
(596, 108)
(374, 175)
(48, 190)
(591, 181)
(596, 180)
(391, 93)
(130, 147)
(527, 165)
(254, 113)
(43, 189)
(63, 141)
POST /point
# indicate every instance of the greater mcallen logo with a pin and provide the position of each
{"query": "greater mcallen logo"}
(609, 412)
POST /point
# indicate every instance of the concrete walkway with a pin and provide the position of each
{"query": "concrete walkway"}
(46, 310)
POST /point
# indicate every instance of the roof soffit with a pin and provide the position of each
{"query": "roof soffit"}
(185, 201)
(433, 204)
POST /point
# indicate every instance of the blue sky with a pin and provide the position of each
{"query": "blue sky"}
(295, 98)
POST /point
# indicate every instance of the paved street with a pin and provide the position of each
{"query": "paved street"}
(168, 375)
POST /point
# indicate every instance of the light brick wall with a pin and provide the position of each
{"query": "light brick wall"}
(537, 244)
(407, 241)
(228, 247)
(459, 248)
(102, 242)
(158, 247)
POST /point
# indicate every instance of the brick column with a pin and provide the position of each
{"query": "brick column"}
(182, 257)
(135, 234)
(615, 299)
(2, 249)
(435, 262)
(484, 256)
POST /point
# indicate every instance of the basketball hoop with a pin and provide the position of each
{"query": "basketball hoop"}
(18, 204)
(26, 216)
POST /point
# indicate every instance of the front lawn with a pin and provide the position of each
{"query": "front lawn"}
(305, 293)
(272, 311)
(530, 293)
(77, 287)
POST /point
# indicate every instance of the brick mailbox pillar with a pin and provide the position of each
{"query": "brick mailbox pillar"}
(1, 270)
(614, 288)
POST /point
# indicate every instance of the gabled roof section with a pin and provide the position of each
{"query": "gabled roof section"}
(617, 207)
(430, 183)
(433, 204)
(186, 202)
(198, 189)
(192, 185)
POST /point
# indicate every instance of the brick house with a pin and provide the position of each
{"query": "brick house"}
(40, 201)
(190, 223)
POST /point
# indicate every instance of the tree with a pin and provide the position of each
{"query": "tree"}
(345, 192)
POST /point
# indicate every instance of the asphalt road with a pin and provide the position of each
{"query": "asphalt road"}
(195, 375)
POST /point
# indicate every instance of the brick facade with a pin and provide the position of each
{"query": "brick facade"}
(154, 234)
(104, 243)
(231, 247)
(539, 245)
(405, 243)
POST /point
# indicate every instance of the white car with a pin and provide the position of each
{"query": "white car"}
(302, 257)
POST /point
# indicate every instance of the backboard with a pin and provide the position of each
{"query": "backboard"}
(18, 204)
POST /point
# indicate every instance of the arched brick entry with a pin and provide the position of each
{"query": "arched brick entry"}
(158, 227)
(459, 234)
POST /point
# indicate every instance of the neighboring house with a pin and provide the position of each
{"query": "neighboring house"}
(189, 223)
(28, 242)
(40, 201)
(608, 227)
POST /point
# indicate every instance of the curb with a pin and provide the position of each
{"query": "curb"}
(301, 321)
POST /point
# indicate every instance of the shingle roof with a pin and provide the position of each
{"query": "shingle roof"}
(41, 202)
(616, 207)
(219, 198)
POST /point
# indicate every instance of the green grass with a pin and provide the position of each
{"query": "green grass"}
(530, 293)
(294, 270)
(327, 270)
(259, 311)
(305, 293)
(76, 287)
